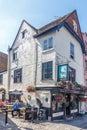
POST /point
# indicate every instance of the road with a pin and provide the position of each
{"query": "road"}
(79, 123)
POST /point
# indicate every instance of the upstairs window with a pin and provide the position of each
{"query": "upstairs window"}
(48, 43)
(85, 65)
(18, 75)
(72, 74)
(24, 33)
(15, 55)
(1, 79)
(71, 50)
(47, 69)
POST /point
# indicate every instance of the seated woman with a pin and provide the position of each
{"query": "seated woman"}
(16, 107)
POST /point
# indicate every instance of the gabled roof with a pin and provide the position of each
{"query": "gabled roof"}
(53, 24)
(20, 29)
(67, 22)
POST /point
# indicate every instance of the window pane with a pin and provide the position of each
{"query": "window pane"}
(50, 43)
(71, 50)
(47, 70)
(18, 76)
(45, 45)
(1, 79)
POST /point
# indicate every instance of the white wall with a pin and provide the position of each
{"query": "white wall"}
(5, 80)
(26, 59)
(59, 55)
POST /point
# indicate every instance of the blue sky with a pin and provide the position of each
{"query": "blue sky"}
(37, 13)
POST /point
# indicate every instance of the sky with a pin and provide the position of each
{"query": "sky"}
(37, 13)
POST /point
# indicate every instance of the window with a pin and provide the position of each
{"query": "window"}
(85, 65)
(1, 79)
(72, 74)
(18, 76)
(71, 50)
(23, 33)
(14, 54)
(47, 70)
(48, 44)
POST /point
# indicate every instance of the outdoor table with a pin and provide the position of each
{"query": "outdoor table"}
(30, 113)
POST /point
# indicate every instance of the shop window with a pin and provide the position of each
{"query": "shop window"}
(57, 103)
(47, 69)
(18, 76)
(1, 79)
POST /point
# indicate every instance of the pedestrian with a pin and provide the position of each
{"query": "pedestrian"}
(16, 108)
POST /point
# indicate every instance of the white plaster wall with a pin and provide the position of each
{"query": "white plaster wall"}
(60, 55)
(5, 80)
(26, 59)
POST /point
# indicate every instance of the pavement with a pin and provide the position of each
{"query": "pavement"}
(78, 123)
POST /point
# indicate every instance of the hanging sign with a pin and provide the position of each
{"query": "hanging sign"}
(63, 72)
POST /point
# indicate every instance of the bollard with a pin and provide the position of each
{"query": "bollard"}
(6, 116)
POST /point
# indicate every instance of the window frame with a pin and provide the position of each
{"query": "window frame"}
(1, 79)
(48, 44)
(15, 55)
(72, 79)
(18, 75)
(72, 51)
(47, 70)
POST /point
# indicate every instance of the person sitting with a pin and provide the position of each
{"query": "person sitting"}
(2, 104)
(16, 108)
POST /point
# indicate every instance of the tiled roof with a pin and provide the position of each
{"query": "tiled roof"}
(53, 24)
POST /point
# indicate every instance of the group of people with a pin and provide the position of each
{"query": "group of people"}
(16, 106)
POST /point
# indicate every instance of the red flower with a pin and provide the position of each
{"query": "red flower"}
(30, 89)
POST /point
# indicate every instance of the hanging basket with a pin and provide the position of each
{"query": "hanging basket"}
(2, 89)
(30, 89)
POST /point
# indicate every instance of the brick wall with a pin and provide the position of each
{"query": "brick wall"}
(3, 61)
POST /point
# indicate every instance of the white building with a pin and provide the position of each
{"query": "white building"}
(43, 57)
(22, 59)
(59, 57)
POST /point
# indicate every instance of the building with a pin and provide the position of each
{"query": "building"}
(3, 74)
(60, 58)
(22, 61)
(51, 59)
(85, 57)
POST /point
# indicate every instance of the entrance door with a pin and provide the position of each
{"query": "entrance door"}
(67, 104)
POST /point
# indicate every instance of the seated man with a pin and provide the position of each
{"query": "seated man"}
(16, 107)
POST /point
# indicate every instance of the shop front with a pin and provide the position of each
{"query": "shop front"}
(59, 103)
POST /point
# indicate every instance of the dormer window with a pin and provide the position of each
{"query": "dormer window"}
(24, 33)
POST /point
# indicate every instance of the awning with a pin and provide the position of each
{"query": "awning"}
(15, 92)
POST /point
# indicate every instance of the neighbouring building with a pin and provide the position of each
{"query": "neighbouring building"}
(3, 74)
(85, 57)
(60, 50)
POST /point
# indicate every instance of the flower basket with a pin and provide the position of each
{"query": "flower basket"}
(2, 89)
(30, 89)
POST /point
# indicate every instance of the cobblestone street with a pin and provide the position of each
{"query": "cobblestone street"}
(20, 124)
